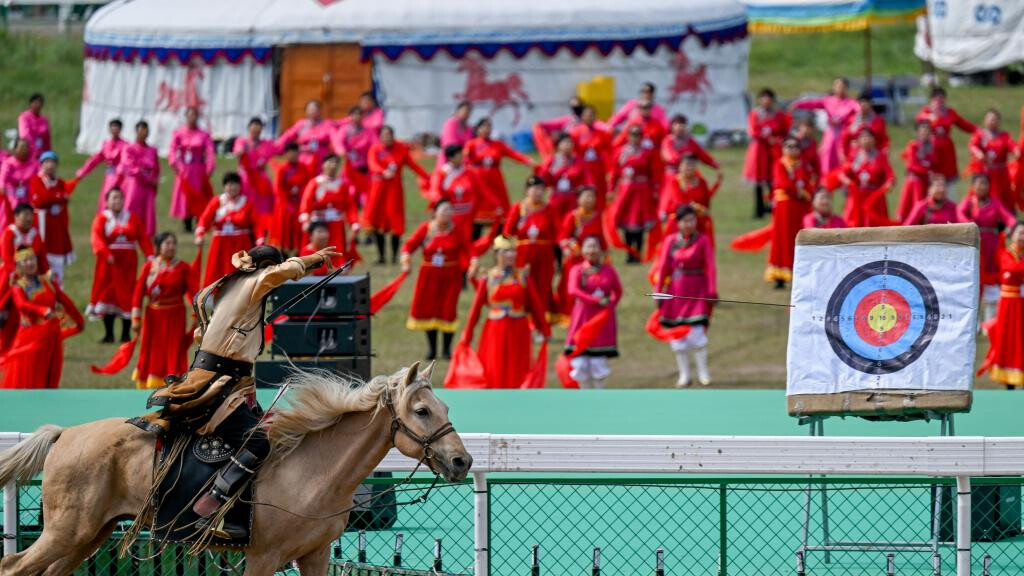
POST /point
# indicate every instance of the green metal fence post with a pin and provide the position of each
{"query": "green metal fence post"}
(722, 514)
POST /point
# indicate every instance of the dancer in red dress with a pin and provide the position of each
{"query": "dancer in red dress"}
(22, 233)
(594, 145)
(686, 267)
(1005, 360)
(330, 198)
(865, 119)
(484, 155)
(943, 119)
(254, 153)
(159, 314)
(868, 177)
(505, 348)
(691, 189)
(633, 180)
(319, 240)
(563, 175)
(385, 209)
(920, 157)
(109, 155)
(290, 181)
(792, 188)
(461, 187)
(676, 146)
(229, 219)
(47, 317)
(546, 132)
(594, 286)
(446, 257)
(821, 215)
(117, 238)
(936, 208)
(992, 150)
(804, 134)
(533, 224)
(767, 126)
(49, 195)
(992, 218)
(583, 222)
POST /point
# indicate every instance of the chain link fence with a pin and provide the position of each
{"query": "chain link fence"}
(704, 526)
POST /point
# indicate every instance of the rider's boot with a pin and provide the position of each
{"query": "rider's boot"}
(228, 481)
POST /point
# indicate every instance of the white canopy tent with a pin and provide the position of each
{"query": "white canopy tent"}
(518, 61)
(968, 36)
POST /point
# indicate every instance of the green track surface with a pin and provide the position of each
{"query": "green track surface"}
(695, 412)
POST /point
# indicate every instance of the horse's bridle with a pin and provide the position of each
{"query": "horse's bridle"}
(425, 442)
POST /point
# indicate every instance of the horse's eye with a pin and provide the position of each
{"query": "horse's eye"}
(421, 412)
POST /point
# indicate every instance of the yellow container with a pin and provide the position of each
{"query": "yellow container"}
(599, 92)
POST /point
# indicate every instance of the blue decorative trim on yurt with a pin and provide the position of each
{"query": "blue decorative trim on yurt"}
(393, 48)
(183, 55)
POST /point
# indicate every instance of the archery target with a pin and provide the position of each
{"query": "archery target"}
(882, 316)
(870, 313)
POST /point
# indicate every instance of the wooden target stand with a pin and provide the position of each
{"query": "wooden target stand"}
(904, 406)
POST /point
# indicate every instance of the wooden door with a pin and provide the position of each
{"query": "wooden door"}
(330, 73)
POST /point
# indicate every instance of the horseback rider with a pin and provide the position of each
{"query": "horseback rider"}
(218, 392)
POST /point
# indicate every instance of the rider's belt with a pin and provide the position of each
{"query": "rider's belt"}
(222, 365)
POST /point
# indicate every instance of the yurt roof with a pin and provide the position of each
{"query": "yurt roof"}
(128, 29)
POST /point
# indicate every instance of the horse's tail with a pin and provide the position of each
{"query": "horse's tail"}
(26, 459)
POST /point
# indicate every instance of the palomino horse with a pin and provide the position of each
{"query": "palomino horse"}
(329, 438)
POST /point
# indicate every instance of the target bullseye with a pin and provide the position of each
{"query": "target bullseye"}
(881, 317)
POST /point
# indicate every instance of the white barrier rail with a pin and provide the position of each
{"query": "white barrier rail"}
(955, 457)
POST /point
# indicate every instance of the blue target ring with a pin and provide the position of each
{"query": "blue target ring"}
(882, 317)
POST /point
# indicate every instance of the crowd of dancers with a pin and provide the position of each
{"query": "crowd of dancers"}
(639, 183)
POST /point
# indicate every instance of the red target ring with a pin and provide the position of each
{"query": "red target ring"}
(882, 317)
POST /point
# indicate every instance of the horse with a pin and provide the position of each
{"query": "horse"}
(324, 443)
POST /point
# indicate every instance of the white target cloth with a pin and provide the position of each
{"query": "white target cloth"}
(883, 316)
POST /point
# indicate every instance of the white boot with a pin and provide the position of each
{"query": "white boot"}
(700, 358)
(585, 383)
(600, 383)
(684, 369)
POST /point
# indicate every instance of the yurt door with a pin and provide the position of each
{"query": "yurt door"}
(330, 73)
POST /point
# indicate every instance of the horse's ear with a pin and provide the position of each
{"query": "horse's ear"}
(412, 372)
(428, 372)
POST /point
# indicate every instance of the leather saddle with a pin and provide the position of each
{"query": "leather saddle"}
(187, 478)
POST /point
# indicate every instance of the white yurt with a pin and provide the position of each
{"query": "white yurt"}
(516, 61)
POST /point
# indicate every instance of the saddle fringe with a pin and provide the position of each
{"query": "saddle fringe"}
(147, 513)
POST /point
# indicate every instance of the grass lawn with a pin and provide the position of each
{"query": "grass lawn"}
(748, 344)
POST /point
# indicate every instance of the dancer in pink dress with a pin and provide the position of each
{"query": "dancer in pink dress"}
(839, 110)
(139, 176)
(109, 154)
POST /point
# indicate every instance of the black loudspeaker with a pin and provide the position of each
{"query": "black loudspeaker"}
(376, 506)
(342, 296)
(271, 373)
(995, 513)
(322, 337)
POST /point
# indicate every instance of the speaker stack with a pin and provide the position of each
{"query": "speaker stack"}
(327, 329)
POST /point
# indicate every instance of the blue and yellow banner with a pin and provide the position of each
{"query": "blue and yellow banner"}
(795, 16)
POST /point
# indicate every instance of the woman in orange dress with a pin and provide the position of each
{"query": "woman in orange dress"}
(792, 189)
(159, 314)
(505, 349)
(446, 256)
(484, 155)
(117, 238)
(534, 226)
(48, 316)
(385, 209)
(1005, 361)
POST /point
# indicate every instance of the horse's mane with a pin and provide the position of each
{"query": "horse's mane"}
(317, 399)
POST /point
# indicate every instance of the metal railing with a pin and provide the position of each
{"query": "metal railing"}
(631, 495)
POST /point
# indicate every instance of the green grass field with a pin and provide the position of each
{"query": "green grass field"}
(748, 344)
